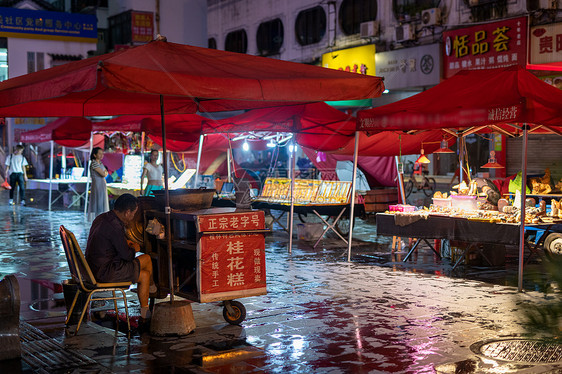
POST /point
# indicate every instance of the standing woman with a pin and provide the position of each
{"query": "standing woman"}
(153, 172)
(99, 202)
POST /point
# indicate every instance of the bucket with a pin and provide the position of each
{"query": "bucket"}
(69, 289)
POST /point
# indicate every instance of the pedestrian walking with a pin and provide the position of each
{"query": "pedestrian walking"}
(99, 201)
(16, 173)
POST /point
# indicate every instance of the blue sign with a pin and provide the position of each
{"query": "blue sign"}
(47, 25)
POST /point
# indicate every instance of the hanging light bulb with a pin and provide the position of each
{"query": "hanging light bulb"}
(291, 148)
(444, 147)
(422, 159)
(246, 146)
(492, 162)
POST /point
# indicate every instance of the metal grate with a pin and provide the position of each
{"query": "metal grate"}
(524, 351)
(45, 355)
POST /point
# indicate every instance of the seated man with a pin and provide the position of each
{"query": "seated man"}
(112, 257)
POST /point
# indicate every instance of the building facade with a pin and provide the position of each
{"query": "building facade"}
(413, 44)
(36, 35)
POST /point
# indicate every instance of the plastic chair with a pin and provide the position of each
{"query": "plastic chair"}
(87, 284)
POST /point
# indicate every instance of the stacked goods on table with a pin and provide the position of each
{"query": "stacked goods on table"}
(307, 191)
(479, 200)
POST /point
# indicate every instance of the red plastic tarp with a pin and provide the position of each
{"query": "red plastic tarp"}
(316, 125)
(390, 143)
(182, 130)
(190, 79)
(492, 97)
(66, 131)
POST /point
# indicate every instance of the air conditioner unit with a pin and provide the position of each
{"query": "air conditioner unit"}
(548, 4)
(404, 32)
(431, 17)
(473, 2)
(369, 29)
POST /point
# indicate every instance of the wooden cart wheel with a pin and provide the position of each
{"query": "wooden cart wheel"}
(237, 312)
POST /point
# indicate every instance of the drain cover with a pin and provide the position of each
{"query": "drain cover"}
(521, 350)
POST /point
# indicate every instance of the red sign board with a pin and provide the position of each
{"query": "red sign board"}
(232, 222)
(232, 262)
(142, 27)
(492, 45)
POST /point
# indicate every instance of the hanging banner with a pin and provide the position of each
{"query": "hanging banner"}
(545, 44)
(37, 24)
(492, 45)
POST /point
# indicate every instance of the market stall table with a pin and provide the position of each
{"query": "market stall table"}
(452, 228)
(62, 185)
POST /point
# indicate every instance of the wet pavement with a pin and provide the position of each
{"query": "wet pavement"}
(322, 314)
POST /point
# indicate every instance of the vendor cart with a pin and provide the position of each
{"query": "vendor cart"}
(218, 254)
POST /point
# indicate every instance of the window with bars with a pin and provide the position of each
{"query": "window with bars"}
(310, 25)
(353, 12)
(236, 41)
(269, 38)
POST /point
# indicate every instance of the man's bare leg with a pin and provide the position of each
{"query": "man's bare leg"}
(145, 278)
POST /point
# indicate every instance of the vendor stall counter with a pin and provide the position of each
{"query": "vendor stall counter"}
(318, 197)
(77, 187)
(218, 254)
(424, 227)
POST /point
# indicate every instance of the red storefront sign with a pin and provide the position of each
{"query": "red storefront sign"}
(232, 222)
(493, 45)
(142, 27)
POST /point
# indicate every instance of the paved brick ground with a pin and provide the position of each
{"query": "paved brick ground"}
(322, 314)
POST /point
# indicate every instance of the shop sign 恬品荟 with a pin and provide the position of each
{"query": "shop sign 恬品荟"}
(48, 25)
(545, 44)
(409, 67)
(359, 60)
(487, 46)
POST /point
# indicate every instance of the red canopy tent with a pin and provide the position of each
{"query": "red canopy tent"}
(506, 100)
(316, 125)
(475, 99)
(183, 130)
(66, 131)
(161, 77)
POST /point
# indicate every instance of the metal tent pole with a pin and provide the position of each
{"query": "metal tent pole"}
(352, 209)
(228, 161)
(86, 200)
(399, 171)
(292, 210)
(199, 151)
(51, 175)
(167, 209)
(523, 198)
(142, 159)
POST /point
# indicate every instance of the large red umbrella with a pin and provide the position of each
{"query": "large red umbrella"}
(190, 79)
